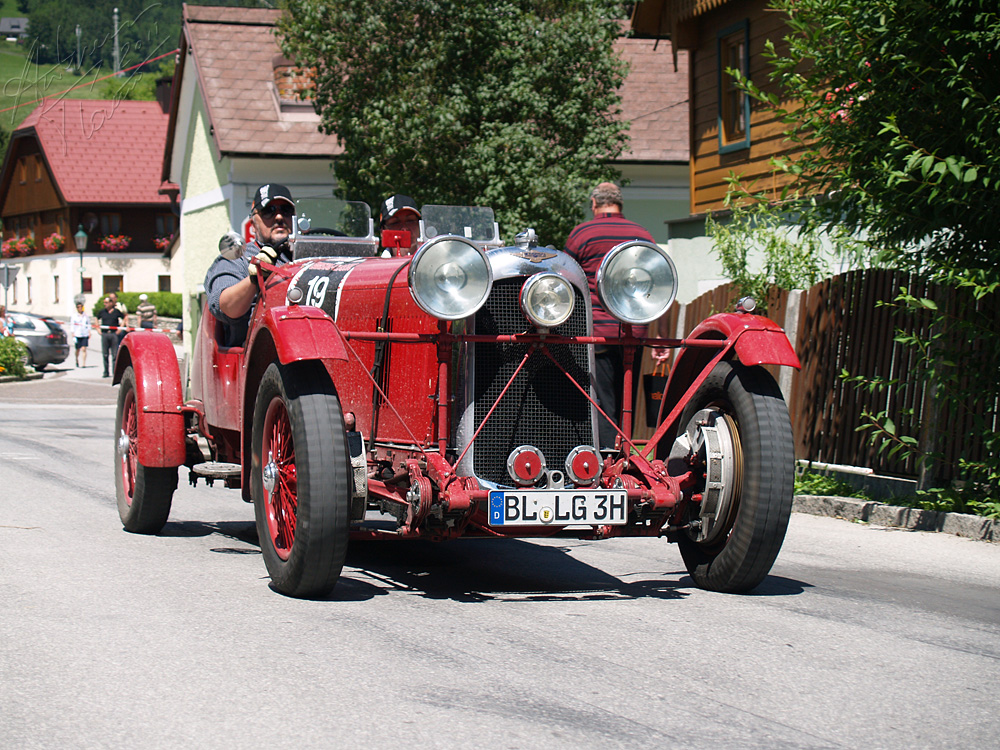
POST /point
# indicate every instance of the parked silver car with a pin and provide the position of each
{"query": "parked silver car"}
(44, 338)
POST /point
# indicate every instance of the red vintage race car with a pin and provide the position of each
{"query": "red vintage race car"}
(448, 394)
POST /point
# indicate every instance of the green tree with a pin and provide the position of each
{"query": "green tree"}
(896, 115)
(898, 123)
(510, 103)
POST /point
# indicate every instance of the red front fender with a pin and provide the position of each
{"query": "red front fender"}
(158, 394)
(301, 332)
(755, 339)
(759, 341)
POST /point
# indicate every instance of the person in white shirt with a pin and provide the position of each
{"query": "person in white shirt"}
(79, 329)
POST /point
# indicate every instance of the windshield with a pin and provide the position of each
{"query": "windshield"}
(475, 223)
(326, 226)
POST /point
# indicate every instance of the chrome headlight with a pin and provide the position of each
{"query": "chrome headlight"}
(450, 278)
(547, 300)
(637, 282)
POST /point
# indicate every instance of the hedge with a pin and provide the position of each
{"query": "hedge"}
(168, 304)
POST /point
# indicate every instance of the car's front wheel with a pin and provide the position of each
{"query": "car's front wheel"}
(738, 438)
(300, 479)
(144, 492)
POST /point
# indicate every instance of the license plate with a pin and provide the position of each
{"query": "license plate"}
(558, 507)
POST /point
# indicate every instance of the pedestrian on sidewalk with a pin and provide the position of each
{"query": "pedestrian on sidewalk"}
(120, 307)
(146, 312)
(110, 321)
(79, 329)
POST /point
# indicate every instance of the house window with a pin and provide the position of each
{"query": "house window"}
(55, 288)
(166, 225)
(39, 171)
(733, 53)
(88, 285)
(164, 284)
(22, 171)
(110, 223)
(27, 289)
(112, 284)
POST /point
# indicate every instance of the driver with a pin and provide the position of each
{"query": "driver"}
(232, 284)
(399, 213)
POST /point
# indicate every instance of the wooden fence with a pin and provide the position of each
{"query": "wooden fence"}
(841, 326)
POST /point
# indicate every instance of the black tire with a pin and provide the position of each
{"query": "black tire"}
(144, 492)
(303, 520)
(753, 470)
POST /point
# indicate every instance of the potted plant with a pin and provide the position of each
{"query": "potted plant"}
(113, 243)
(17, 246)
(162, 243)
(54, 243)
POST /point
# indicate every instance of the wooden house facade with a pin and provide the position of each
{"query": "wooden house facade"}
(730, 133)
(89, 163)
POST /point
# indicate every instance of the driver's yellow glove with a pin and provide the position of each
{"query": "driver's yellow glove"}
(266, 255)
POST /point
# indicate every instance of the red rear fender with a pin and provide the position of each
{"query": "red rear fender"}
(159, 396)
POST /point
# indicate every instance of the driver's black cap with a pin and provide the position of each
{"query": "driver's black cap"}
(395, 204)
(265, 194)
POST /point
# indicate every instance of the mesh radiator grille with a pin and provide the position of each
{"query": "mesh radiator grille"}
(541, 408)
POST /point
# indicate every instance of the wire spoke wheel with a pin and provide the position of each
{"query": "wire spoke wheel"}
(144, 493)
(279, 478)
(737, 436)
(301, 478)
(128, 435)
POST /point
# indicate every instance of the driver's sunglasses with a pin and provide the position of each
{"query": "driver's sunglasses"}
(269, 211)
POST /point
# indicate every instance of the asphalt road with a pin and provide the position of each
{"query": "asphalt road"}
(862, 637)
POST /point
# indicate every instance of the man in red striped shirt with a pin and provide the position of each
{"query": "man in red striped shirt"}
(588, 243)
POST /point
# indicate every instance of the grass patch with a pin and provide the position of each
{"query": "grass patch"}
(24, 82)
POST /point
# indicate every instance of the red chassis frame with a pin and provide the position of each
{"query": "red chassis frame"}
(297, 333)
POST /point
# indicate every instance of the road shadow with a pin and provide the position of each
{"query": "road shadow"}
(237, 531)
(479, 570)
(476, 570)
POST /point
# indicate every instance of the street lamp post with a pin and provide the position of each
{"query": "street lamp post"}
(80, 238)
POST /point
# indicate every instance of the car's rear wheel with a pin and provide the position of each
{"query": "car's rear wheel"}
(144, 492)
(301, 479)
(737, 434)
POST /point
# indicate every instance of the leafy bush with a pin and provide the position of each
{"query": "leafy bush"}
(12, 356)
(963, 498)
(824, 485)
(168, 304)
(766, 236)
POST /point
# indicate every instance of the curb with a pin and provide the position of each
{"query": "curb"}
(894, 516)
(14, 378)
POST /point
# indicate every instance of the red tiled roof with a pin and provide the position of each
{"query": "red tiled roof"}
(102, 151)
(234, 50)
(655, 101)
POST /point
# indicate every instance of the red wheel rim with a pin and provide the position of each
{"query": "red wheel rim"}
(130, 431)
(281, 502)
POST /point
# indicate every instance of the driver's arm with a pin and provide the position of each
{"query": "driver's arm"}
(236, 299)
